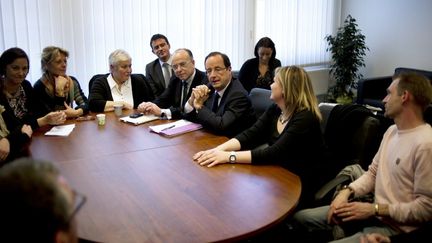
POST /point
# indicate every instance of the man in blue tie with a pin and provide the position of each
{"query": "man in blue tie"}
(170, 104)
(224, 107)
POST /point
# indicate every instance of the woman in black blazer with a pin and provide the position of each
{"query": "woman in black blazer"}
(119, 86)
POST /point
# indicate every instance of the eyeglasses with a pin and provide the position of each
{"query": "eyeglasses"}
(79, 201)
(181, 65)
(218, 70)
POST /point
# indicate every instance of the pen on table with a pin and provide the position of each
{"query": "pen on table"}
(166, 128)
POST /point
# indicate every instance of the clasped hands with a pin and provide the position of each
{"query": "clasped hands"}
(62, 85)
(56, 117)
(342, 211)
(199, 95)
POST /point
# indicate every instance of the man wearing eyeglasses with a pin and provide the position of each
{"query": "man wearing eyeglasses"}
(159, 71)
(170, 104)
(226, 110)
(37, 204)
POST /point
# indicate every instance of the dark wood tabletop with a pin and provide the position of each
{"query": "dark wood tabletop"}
(143, 187)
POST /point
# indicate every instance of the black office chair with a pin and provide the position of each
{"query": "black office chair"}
(260, 99)
(94, 78)
(352, 135)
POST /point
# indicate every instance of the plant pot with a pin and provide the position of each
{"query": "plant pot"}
(344, 99)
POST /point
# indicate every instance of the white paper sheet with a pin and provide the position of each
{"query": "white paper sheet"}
(63, 130)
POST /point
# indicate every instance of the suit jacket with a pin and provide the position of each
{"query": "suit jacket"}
(155, 77)
(233, 115)
(171, 97)
(100, 92)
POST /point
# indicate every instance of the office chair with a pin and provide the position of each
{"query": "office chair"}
(96, 76)
(352, 135)
(260, 99)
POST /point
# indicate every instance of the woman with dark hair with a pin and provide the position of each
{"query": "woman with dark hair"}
(13, 134)
(17, 93)
(259, 71)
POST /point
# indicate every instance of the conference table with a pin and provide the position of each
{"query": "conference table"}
(144, 187)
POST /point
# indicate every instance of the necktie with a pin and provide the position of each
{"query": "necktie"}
(166, 73)
(215, 102)
(184, 93)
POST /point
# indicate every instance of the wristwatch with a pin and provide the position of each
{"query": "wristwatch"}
(163, 116)
(232, 157)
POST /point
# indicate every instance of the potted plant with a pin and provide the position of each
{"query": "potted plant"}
(348, 49)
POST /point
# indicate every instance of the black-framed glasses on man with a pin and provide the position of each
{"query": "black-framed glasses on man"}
(218, 70)
(79, 200)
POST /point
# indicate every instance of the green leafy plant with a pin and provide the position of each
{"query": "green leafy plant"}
(348, 49)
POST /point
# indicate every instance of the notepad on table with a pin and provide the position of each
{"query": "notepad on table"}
(139, 120)
(62, 131)
(175, 128)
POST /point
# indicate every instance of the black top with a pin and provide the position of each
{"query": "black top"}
(100, 92)
(54, 103)
(249, 73)
(299, 148)
(18, 141)
(31, 106)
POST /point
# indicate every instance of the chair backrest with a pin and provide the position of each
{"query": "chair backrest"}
(325, 109)
(260, 99)
(352, 135)
(94, 78)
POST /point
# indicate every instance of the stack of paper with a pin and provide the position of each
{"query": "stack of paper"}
(63, 130)
(139, 120)
(175, 128)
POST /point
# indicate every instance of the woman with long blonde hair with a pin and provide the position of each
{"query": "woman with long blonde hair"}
(289, 129)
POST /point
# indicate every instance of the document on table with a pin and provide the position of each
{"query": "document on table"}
(175, 128)
(63, 130)
(140, 120)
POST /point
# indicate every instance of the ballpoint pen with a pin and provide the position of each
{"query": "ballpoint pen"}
(166, 128)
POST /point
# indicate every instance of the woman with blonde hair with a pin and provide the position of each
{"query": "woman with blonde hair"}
(289, 129)
(55, 89)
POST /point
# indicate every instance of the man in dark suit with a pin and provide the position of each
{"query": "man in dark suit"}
(227, 110)
(170, 104)
(159, 71)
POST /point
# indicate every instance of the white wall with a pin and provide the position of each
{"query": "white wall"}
(398, 33)
(320, 79)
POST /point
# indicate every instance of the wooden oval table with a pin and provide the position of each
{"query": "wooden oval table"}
(143, 187)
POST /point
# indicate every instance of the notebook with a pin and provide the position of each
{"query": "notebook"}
(175, 128)
(139, 120)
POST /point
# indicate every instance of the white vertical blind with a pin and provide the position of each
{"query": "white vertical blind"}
(298, 28)
(91, 29)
